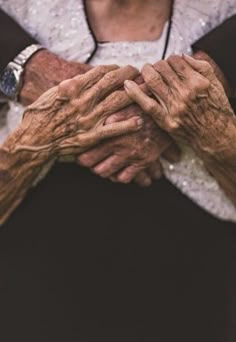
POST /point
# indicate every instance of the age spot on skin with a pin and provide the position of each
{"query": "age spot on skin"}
(152, 29)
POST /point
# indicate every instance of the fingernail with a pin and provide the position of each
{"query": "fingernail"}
(127, 84)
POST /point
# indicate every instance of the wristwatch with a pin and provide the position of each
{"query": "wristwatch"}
(11, 78)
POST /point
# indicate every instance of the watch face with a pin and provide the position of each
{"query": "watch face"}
(8, 83)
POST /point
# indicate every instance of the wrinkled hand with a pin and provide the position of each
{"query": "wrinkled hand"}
(45, 70)
(71, 117)
(187, 101)
(134, 156)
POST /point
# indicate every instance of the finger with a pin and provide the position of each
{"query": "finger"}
(172, 153)
(156, 84)
(182, 69)
(110, 82)
(117, 117)
(128, 174)
(203, 67)
(192, 80)
(155, 170)
(74, 87)
(167, 74)
(110, 166)
(143, 179)
(113, 103)
(124, 114)
(94, 156)
(149, 105)
(109, 131)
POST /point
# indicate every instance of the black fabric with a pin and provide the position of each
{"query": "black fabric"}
(220, 45)
(84, 260)
(13, 39)
(233, 103)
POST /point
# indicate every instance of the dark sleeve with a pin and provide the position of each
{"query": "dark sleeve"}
(233, 103)
(13, 39)
(220, 45)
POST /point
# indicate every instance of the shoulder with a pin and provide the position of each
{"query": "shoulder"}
(15, 8)
(59, 25)
(194, 19)
(213, 11)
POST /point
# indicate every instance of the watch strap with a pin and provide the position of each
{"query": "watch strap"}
(26, 54)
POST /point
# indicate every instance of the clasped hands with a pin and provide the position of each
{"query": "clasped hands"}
(186, 104)
(181, 101)
(107, 111)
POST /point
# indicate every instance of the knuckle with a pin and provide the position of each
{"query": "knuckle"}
(161, 66)
(115, 100)
(181, 109)
(110, 77)
(208, 67)
(151, 107)
(201, 84)
(186, 94)
(63, 87)
(173, 59)
(172, 126)
(102, 69)
(153, 80)
(68, 87)
(206, 84)
(75, 104)
(130, 70)
(119, 96)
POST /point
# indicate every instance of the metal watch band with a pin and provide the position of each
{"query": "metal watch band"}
(25, 55)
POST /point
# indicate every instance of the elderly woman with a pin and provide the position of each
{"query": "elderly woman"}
(85, 259)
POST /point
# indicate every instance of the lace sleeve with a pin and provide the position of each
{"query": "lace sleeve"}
(226, 9)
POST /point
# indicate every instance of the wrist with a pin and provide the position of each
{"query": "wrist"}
(44, 71)
(218, 146)
(25, 143)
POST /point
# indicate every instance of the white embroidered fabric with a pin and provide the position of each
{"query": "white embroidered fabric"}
(62, 27)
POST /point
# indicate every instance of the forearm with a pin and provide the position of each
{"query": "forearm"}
(18, 170)
(220, 160)
(225, 174)
(222, 165)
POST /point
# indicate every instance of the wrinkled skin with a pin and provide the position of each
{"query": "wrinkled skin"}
(46, 70)
(66, 119)
(189, 102)
(126, 158)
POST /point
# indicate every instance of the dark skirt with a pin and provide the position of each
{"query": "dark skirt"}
(84, 260)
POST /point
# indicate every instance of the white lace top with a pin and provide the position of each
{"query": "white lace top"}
(62, 27)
